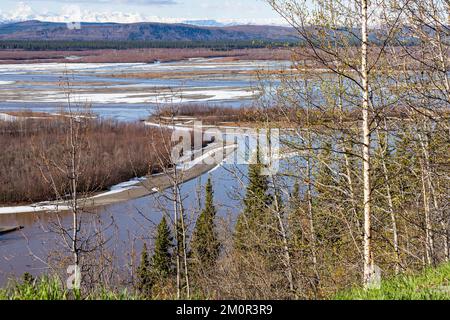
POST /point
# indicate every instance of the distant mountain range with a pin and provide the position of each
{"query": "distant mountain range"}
(199, 23)
(207, 23)
(203, 30)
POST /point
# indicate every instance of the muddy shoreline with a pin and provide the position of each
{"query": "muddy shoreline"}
(150, 185)
(137, 55)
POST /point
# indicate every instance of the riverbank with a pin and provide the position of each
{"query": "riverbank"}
(138, 55)
(147, 186)
(193, 80)
(36, 152)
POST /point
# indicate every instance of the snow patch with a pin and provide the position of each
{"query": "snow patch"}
(126, 184)
(33, 209)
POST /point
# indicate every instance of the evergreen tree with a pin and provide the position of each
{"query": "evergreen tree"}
(145, 283)
(161, 265)
(257, 201)
(205, 245)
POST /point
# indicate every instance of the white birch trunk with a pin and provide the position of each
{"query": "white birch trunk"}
(368, 265)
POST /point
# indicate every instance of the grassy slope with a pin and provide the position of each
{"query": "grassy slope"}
(51, 289)
(432, 284)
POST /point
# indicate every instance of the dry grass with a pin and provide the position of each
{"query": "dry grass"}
(276, 116)
(140, 55)
(110, 153)
(248, 115)
(209, 114)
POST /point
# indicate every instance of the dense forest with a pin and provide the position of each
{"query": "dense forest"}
(122, 45)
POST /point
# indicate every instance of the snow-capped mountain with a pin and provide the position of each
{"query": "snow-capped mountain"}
(205, 23)
(143, 31)
(73, 13)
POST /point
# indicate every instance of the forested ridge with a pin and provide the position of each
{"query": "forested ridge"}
(60, 45)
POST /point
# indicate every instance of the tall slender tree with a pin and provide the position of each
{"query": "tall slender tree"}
(257, 201)
(367, 140)
(144, 281)
(205, 246)
(161, 262)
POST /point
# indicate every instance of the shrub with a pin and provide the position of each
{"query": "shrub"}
(111, 153)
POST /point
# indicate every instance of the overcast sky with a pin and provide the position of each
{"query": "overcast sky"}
(245, 11)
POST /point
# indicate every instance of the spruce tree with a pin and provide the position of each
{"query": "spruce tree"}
(205, 245)
(161, 265)
(256, 203)
(145, 283)
(257, 239)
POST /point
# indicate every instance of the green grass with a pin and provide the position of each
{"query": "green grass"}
(51, 288)
(431, 284)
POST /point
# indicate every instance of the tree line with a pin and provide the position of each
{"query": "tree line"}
(368, 197)
(219, 45)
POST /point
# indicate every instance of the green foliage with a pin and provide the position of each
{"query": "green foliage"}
(51, 288)
(257, 199)
(257, 202)
(205, 246)
(144, 281)
(61, 45)
(45, 288)
(161, 263)
(257, 228)
(432, 284)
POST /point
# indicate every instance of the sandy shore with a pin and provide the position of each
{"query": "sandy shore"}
(150, 185)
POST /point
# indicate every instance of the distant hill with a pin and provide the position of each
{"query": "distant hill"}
(205, 23)
(430, 284)
(37, 30)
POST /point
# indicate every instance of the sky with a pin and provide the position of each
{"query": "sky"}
(226, 11)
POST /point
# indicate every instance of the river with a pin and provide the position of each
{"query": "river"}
(129, 91)
(113, 93)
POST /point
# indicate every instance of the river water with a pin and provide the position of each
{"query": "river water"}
(128, 224)
(113, 94)
(129, 91)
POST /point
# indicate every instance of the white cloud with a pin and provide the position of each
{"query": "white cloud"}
(135, 2)
(74, 13)
(21, 11)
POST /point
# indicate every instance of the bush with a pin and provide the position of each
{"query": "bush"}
(51, 288)
(33, 151)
